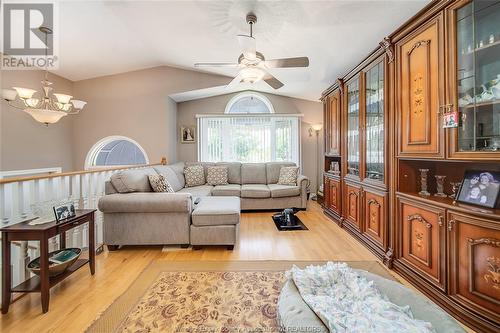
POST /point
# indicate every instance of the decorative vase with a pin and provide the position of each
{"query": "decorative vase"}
(440, 186)
(423, 182)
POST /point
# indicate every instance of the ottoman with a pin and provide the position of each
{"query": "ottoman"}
(215, 221)
(294, 315)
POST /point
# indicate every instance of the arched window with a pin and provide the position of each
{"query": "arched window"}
(115, 151)
(249, 102)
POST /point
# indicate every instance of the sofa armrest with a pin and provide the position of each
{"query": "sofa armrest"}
(146, 203)
(302, 182)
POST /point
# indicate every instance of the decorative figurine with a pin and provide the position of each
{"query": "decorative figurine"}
(440, 186)
(423, 182)
(454, 188)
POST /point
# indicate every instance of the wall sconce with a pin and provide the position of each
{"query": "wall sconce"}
(315, 127)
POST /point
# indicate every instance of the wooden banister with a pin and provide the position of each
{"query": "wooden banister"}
(74, 173)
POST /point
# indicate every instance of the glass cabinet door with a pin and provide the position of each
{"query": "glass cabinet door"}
(478, 76)
(353, 139)
(374, 128)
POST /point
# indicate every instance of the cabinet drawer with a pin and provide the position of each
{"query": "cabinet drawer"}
(375, 217)
(352, 205)
(474, 246)
(423, 240)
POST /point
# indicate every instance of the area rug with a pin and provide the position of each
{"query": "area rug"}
(194, 296)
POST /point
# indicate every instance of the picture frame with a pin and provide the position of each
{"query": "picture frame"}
(188, 134)
(64, 211)
(450, 120)
(480, 187)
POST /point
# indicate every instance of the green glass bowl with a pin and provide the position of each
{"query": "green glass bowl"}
(59, 261)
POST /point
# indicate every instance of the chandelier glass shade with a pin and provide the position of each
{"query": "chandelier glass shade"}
(48, 108)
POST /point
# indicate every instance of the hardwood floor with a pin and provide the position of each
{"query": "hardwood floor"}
(78, 300)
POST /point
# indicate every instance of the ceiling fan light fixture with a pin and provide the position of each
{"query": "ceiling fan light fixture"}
(252, 74)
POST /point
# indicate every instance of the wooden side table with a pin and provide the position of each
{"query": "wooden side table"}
(42, 232)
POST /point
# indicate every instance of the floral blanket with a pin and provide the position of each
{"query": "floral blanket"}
(347, 302)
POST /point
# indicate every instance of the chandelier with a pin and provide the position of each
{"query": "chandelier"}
(51, 107)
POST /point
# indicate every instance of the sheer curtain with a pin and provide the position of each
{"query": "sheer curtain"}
(247, 138)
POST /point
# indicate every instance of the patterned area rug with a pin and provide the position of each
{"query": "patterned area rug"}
(198, 297)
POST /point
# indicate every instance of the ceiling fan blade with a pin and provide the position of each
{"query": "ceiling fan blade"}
(248, 46)
(216, 64)
(288, 62)
(272, 81)
(234, 82)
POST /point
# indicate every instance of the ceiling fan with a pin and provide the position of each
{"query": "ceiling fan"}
(253, 65)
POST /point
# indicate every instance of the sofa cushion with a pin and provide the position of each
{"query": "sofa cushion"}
(217, 175)
(170, 175)
(212, 211)
(160, 184)
(288, 176)
(205, 165)
(194, 175)
(198, 191)
(282, 191)
(231, 190)
(253, 173)
(132, 180)
(255, 191)
(273, 170)
(233, 171)
(179, 172)
(145, 203)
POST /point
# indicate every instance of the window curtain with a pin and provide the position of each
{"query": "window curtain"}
(246, 138)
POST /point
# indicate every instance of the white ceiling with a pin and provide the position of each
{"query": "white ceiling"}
(106, 37)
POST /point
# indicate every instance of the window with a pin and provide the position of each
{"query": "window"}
(245, 135)
(116, 151)
(249, 103)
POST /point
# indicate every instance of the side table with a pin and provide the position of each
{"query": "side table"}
(42, 232)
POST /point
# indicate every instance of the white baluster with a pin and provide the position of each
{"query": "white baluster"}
(3, 215)
(7, 203)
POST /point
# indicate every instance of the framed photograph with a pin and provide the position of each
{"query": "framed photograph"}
(188, 134)
(64, 211)
(480, 188)
(450, 120)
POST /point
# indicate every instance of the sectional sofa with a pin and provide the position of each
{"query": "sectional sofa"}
(135, 215)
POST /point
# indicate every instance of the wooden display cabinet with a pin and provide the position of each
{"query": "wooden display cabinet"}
(474, 79)
(419, 91)
(332, 108)
(391, 108)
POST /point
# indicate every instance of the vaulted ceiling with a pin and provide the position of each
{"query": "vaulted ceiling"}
(106, 37)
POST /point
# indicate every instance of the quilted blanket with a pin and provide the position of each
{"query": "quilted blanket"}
(347, 302)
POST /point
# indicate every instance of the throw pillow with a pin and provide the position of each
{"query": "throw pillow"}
(217, 175)
(160, 184)
(288, 175)
(194, 175)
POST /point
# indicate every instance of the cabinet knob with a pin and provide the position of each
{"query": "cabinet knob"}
(440, 219)
(450, 224)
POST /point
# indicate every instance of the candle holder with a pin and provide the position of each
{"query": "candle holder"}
(454, 188)
(423, 183)
(440, 186)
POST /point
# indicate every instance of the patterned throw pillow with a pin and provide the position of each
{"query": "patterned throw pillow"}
(160, 184)
(194, 175)
(217, 175)
(288, 175)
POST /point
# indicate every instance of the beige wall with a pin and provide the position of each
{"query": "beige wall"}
(313, 114)
(136, 105)
(25, 143)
